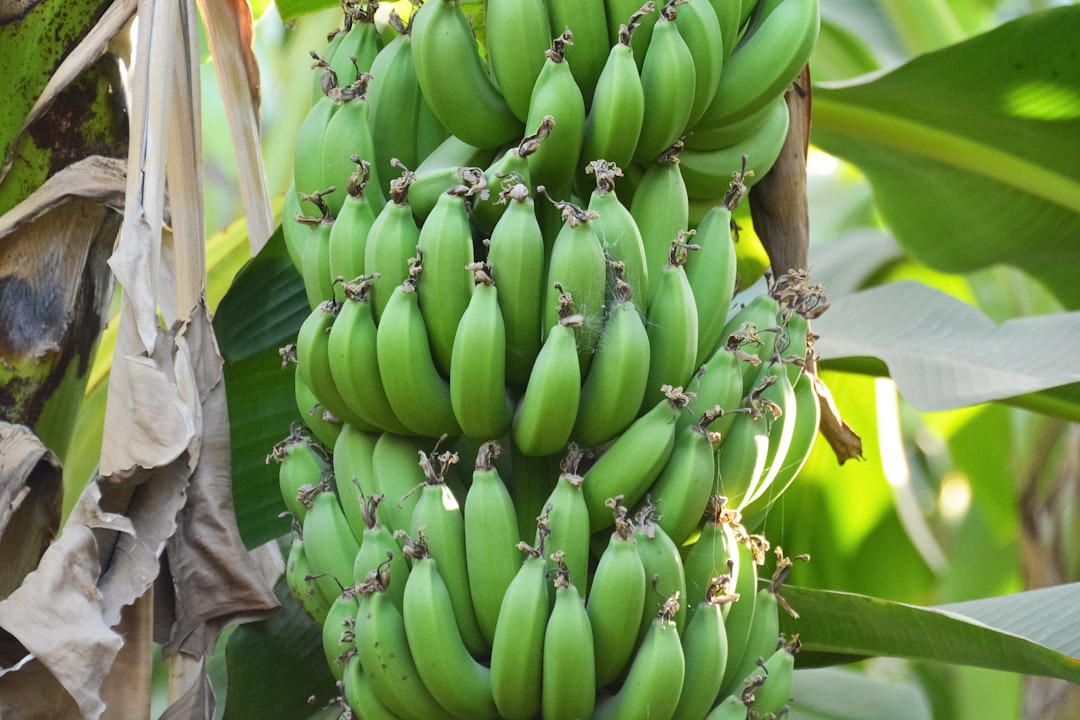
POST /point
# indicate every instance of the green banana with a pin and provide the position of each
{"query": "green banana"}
(731, 707)
(699, 26)
(337, 632)
(633, 461)
(491, 541)
(661, 208)
(516, 256)
(663, 568)
(419, 395)
(739, 614)
(547, 410)
(395, 101)
(708, 172)
(307, 153)
(779, 399)
(360, 695)
(779, 669)
(397, 476)
(313, 364)
(349, 233)
(618, 376)
(632, 12)
(302, 463)
(714, 554)
(360, 43)
(705, 649)
(726, 136)
(517, 649)
(729, 17)
(616, 592)
(566, 521)
(668, 81)
(588, 22)
(658, 668)
(617, 231)
(717, 383)
(316, 418)
(293, 231)
(391, 242)
(568, 685)
(353, 361)
(682, 489)
(437, 519)
(518, 35)
(613, 125)
(531, 480)
(754, 327)
(347, 134)
(506, 171)
(771, 53)
(334, 39)
(743, 451)
(478, 363)
(379, 552)
(576, 266)
(712, 277)
(454, 80)
(383, 650)
(442, 169)
(315, 261)
(354, 476)
(557, 95)
(328, 542)
(454, 677)
(302, 585)
(672, 324)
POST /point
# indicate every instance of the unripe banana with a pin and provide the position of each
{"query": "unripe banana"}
(708, 172)
(328, 542)
(334, 39)
(419, 395)
(668, 81)
(578, 265)
(354, 476)
(320, 421)
(739, 614)
(699, 26)
(397, 476)
(618, 232)
(307, 155)
(442, 169)
(337, 632)
(379, 551)
(516, 256)
(302, 584)
(613, 125)
(621, 12)
(446, 244)
(557, 95)
(672, 324)
(359, 45)
(391, 242)
(454, 80)
(293, 231)
(437, 519)
(682, 489)
(478, 363)
(517, 37)
(766, 60)
(731, 707)
(729, 17)
(531, 480)
(616, 592)
(779, 669)
(719, 137)
(491, 541)
(349, 233)
(566, 521)
(588, 22)
(658, 668)
(754, 329)
(383, 650)
(661, 208)
(506, 171)
(664, 571)
(360, 694)
(761, 642)
(568, 687)
(315, 261)
(705, 649)
(743, 452)
(633, 461)
(517, 650)
(780, 413)
(455, 679)
(618, 376)
(711, 275)
(395, 101)
(354, 363)
(717, 383)
(302, 464)
(547, 410)
(313, 364)
(714, 554)
(347, 134)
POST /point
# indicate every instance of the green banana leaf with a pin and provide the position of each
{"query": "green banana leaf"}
(839, 694)
(1032, 633)
(972, 150)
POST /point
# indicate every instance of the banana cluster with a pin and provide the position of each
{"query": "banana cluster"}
(478, 289)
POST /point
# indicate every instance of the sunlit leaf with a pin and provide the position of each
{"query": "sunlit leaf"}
(972, 150)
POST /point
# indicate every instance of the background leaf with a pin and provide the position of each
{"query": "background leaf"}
(839, 694)
(972, 150)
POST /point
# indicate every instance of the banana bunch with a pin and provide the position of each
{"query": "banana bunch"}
(500, 265)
